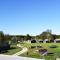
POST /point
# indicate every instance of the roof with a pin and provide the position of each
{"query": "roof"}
(11, 57)
(57, 39)
(46, 40)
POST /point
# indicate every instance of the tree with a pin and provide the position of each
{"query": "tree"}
(7, 37)
(1, 38)
(50, 37)
(4, 44)
(46, 35)
(37, 37)
(28, 37)
(43, 35)
(14, 39)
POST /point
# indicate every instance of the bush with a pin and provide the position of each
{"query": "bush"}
(53, 46)
(33, 46)
(33, 41)
(39, 46)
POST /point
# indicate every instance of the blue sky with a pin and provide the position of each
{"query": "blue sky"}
(29, 16)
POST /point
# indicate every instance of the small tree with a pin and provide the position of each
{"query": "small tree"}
(14, 40)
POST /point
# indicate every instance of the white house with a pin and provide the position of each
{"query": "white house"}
(46, 40)
(57, 41)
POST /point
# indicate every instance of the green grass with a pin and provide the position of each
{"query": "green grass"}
(14, 49)
(32, 53)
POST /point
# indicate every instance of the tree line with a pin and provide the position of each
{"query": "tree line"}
(44, 35)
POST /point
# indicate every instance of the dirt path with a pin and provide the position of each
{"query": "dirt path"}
(24, 49)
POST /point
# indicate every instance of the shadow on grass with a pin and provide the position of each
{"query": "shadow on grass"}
(5, 51)
(12, 48)
(50, 54)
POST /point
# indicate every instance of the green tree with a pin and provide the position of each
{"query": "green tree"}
(28, 37)
(1, 38)
(37, 37)
(43, 35)
(46, 35)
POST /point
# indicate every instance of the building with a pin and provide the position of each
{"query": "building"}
(57, 41)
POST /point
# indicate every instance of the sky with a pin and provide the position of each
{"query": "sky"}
(20, 17)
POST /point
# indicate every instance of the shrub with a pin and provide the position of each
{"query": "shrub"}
(33, 41)
(33, 46)
(39, 46)
(53, 46)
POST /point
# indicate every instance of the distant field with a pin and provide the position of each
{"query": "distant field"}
(54, 52)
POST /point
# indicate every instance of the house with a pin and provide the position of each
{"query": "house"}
(57, 41)
(45, 41)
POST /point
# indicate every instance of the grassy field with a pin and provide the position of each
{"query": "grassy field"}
(53, 52)
(14, 49)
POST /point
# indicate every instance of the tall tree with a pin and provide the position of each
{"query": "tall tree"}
(46, 35)
(28, 37)
(43, 35)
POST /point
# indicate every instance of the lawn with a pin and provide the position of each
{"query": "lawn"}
(14, 49)
(53, 52)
